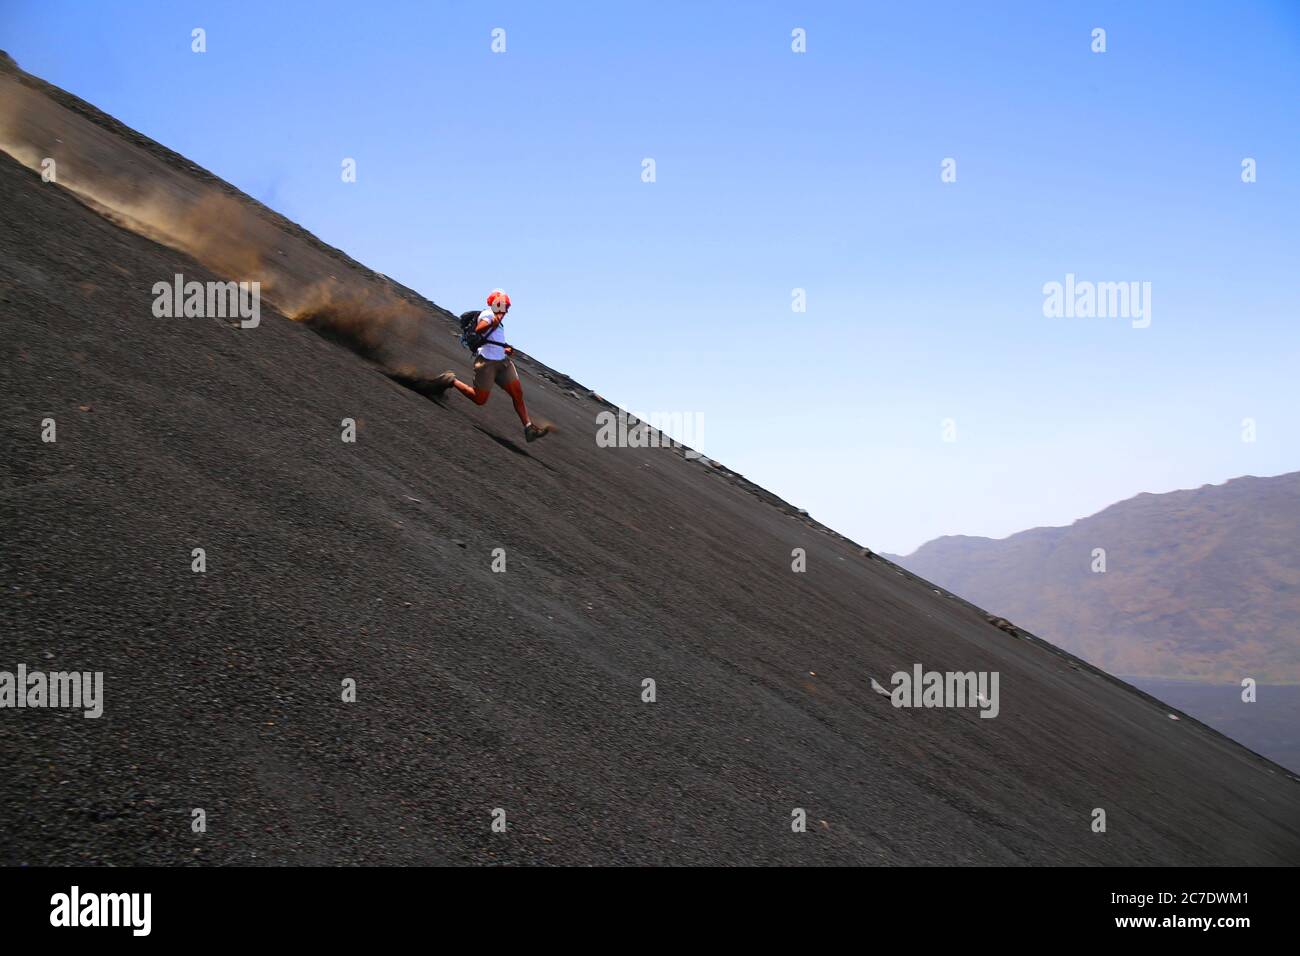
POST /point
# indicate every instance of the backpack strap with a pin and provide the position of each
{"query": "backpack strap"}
(487, 341)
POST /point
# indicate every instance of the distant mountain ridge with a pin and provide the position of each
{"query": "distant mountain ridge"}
(1200, 584)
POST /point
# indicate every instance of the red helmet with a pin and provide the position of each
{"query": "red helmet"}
(498, 300)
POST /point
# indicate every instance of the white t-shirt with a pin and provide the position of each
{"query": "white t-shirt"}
(489, 351)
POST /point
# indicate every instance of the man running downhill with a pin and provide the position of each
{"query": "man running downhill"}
(494, 364)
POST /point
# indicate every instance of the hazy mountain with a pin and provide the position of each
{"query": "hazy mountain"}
(1201, 584)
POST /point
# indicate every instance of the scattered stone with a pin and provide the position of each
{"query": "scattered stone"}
(1003, 624)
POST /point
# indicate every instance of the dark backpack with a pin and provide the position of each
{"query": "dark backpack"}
(470, 337)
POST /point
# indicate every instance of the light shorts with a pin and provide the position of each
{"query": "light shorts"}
(487, 371)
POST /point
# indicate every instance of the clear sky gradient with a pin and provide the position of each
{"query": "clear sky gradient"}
(775, 171)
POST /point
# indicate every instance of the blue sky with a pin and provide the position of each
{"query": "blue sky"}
(776, 171)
